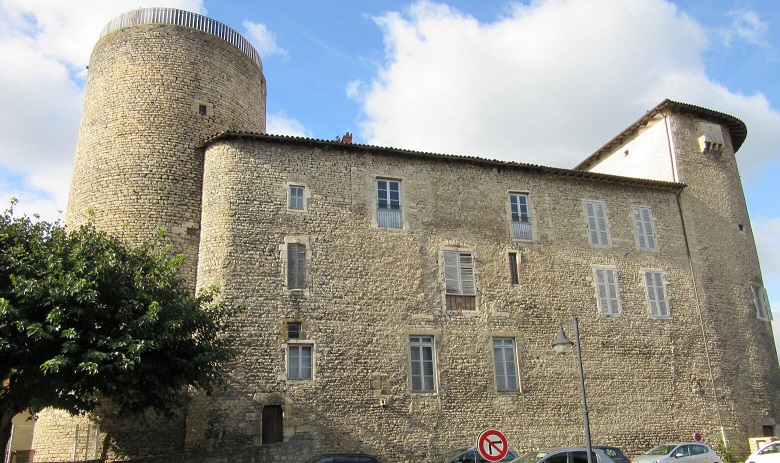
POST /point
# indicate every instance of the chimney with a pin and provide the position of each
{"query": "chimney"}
(347, 138)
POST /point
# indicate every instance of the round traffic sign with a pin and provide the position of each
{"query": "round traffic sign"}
(492, 445)
(697, 437)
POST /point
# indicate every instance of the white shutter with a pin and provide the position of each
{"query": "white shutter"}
(468, 286)
(592, 224)
(451, 273)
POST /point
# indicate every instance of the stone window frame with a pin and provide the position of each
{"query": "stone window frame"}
(450, 294)
(376, 201)
(433, 377)
(300, 345)
(761, 302)
(283, 248)
(530, 215)
(197, 107)
(305, 197)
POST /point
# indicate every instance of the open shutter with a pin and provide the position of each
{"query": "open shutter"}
(592, 223)
(451, 273)
(468, 286)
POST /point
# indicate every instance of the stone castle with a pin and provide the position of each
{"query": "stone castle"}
(401, 302)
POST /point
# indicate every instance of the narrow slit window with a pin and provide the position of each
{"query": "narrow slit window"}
(296, 266)
(514, 276)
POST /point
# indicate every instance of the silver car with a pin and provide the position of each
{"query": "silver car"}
(682, 452)
(563, 455)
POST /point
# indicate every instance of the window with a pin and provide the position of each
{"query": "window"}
(460, 288)
(293, 330)
(761, 301)
(299, 361)
(296, 266)
(296, 199)
(656, 294)
(388, 206)
(422, 365)
(597, 223)
(514, 276)
(202, 110)
(506, 365)
(521, 217)
(645, 232)
(607, 291)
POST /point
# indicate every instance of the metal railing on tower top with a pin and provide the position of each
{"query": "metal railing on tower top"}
(183, 18)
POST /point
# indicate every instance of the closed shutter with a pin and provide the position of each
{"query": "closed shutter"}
(606, 284)
(597, 223)
(296, 266)
(656, 295)
(643, 223)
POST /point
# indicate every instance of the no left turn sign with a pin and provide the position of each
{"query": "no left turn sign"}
(492, 445)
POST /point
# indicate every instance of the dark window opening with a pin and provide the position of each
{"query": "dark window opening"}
(202, 110)
(272, 424)
(514, 277)
(768, 430)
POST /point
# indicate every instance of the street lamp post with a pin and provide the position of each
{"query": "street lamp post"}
(563, 344)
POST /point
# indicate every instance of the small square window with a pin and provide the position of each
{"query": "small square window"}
(293, 330)
(202, 110)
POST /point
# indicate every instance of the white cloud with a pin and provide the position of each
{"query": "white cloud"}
(280, 124)
(548, 83)
(46, 46)
(766, 230)
(746, 26)
(263, 40)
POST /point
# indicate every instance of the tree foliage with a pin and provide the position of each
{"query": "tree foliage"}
(85, 316)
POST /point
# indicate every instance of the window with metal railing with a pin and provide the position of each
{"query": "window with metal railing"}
(521, 216)
(388, 204)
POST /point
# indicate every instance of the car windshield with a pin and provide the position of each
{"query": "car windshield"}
(530, 457)
(661, 450)
(452, 454)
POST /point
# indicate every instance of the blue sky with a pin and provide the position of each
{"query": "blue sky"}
(545, 82)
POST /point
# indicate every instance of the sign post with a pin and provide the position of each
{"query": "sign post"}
(492, 445)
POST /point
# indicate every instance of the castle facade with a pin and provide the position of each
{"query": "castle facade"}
(401, 302)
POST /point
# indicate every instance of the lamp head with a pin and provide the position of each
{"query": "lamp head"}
(562, 343)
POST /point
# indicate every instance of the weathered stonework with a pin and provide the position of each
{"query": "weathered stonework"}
(710, 366)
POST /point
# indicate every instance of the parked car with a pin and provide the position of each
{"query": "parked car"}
(470, 455)
(617, 455)
(769, 453)
(684, 452)
(564, 455)
(345, 458)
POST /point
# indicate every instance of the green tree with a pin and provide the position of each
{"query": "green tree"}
(86, 316)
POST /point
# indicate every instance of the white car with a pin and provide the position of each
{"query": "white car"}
(769, 453)
(685, 452)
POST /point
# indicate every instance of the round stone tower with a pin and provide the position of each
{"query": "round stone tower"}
(160, 80)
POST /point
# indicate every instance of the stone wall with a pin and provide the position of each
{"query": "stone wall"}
(371, 288)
